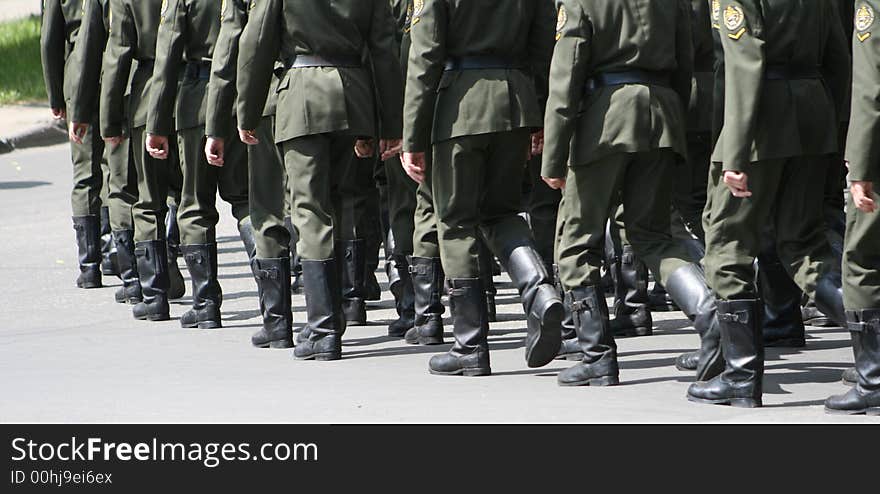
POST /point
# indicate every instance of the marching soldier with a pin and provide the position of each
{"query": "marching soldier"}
(772, 154)
(471, 101)
(861, 266)
(266, 178)
(325, 104)
(618, 67)
(186, 39)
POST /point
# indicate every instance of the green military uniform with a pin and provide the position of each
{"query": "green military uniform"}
(185, 46)
(472, 99)
(266, 178)
(779, 61)
(861, 266)
(325, 101)
(60, 28)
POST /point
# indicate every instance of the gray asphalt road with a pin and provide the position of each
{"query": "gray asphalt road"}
(68, 355)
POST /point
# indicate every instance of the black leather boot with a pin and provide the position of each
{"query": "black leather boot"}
(177, 285)
(427, 279)
(350, 254)
(152, 267)
(295, 266)
(109, 263)
(660, 301)
(783, 325)
(829, 297)
(864, 397)
(570, 349)
(88, 242)
(246, 233)
(740, 385)
(469, 355)
(130, 292)
(201, 261)
(599, 364)
(688, 288)
(273, 287)
(487, 262)
(543, 306)
(850, 377)
(371, 245)
(322, 340)
(632, 317)
(404, 299)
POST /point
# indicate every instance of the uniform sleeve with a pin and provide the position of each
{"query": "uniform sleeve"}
(427, 56)
(386, 69)
(221, 87)
(116, 68)
(568, 78)
(258, 50)
(87, 55)
(862, 145)
(743, 79)
(682, 78)
(541, 47)
(170, 42)
(52, 49)
(837, 63)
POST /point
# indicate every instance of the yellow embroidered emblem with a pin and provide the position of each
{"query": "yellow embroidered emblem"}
(734, 18)
(222, 9)
(407, 24)
(716, 13)
(418, 7)
(164, 7)
(561, 19)
(863, 21)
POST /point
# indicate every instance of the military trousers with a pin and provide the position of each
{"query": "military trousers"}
(316, 166)
(861, 260)
(197, 215)
(155, 180)
(358, 212)
(425, 240)
(692, 181)
(787, 192)
(642, 183)
(543, 208)
(88, 177)
(402, 195)
(267, 193)
(477, 184)
(122, 185)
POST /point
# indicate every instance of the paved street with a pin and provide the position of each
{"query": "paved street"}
(68, 355)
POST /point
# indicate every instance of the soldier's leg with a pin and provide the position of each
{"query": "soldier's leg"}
(372, 224)
(85, 201)
(121, 197)
(782, 324)
(109, 255)
(233, 186)
(632, 314)
(176, 284)
(149, 230)
(351, 232)
(401, 217)
(314, 163)
(590, 194)
(689, 198)
(197, 218)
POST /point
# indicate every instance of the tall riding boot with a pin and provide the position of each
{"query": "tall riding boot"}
(829, 297)
(152, 267)
(542, 304)
(273, 287)
(326, 325)
(109, 265)
(660, 300)
(865, 396)
(632, 317)
(130, 292)
(404, 299)
(351, 255)
(687, 286)
(88, 242)
(599, 364)
(427, 280)
(295, 266)
(469, 355)
(783, 326)
(371, 245)
(740, 384)
(201, 261)
(570, 349)
(391, 270)
(850, 376)
(246, 233)
(487, 262)
(177, 286)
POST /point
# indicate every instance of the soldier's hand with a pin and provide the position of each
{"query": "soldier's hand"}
(554, 183)
(214, 151)
(389, 148)
(157, 146)
(863, 196)
(77, 131)
(738, 183)
(363, 148)
(537, 144)
(114, 140)
(414, 166)
(59, 113)
(248, 137)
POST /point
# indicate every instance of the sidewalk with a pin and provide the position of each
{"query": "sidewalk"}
(23, 126)
(13, 9)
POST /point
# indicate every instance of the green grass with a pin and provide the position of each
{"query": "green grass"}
(21, 75)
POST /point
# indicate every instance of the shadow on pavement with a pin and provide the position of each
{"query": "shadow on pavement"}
(22, 185)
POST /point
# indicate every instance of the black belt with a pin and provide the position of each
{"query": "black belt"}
(197, 71)
(786, 73)
(645, 77)
(481, 62)
(306, 61)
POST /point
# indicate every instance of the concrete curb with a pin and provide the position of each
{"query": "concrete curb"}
(46, 133)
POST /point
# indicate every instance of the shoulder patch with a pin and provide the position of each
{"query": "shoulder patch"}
(863, 22)
(716, 14)
(734, 18)
(407, 23)
(561, 19)
(418, 6)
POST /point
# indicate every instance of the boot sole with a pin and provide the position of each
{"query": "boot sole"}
(847, 383)
(463, 372)
(426, 341)
(634, 332)
(819, 322)
(595, 381)
(686, 369)
(320, 357)
(154, 317)
(545, 348)
(734, 402)
(203, 325)
(89, 286)
(864, 411)
(277, 344)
